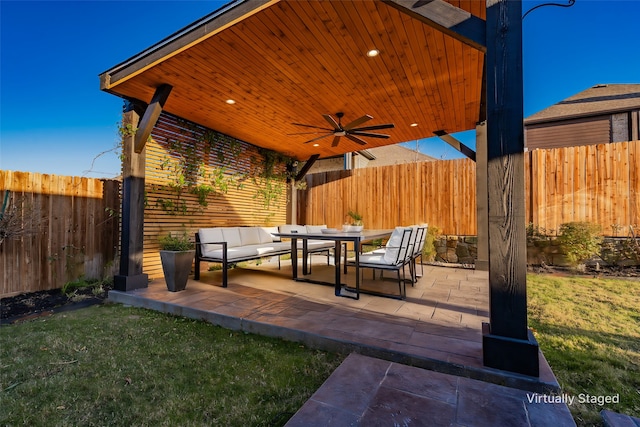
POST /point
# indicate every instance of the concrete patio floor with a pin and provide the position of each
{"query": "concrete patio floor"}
(411, 362)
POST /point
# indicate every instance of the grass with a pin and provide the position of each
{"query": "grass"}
(113, 365)
(589, 331)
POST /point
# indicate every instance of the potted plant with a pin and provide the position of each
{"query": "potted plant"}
(176, 253)
(354, 222)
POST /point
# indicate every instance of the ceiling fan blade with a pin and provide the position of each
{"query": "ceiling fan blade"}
(311, 126)
(331, 121)
(320, 137)
(336, 140)
(370, 135)
(356, 139)
(376, 127)
(358, 122)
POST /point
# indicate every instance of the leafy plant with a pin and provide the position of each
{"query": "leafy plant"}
(535, 232)
(356, 218)
(580, 241)
(176, 242)
(429, 249)
(96, 285)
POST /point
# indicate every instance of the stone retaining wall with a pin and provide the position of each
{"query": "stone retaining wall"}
(621, 252)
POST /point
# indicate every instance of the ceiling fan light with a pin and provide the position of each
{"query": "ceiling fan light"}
(373, 52)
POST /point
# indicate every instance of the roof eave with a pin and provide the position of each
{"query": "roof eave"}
(222, 18)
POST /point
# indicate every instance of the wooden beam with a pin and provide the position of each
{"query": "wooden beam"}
(453, 21)
(151, 115)
(456, 144)
(507, 342)
(307, 166)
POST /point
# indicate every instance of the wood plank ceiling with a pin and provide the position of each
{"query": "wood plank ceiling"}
(293, 61)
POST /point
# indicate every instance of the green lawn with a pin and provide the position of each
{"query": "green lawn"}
(118, 366)
(589, 331)
(113, 365)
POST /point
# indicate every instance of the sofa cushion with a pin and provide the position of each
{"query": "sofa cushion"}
(266, 234)
(232, 236)
(249, 251)
(236, 253)
(319, 244)
(315, 228)
(210, 235)
(249, 235)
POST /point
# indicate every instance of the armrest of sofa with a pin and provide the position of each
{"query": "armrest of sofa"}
(199, 257)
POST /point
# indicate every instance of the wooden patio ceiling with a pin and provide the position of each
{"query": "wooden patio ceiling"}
(286, 62)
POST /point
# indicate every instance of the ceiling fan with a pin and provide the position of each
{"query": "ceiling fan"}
(352, 130)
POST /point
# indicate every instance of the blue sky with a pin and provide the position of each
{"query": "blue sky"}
(54, 118)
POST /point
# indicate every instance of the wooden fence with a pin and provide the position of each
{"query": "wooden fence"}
(596, 183)
(441, 193)
(593, 183)
(78, 230)
(75, 231)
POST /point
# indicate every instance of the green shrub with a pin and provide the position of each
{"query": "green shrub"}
(176, 242)
(580, 241)
(535, 233)
(429, 250)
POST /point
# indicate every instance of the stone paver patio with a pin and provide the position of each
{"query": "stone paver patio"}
(431, 342)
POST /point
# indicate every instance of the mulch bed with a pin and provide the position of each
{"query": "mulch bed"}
(43, 303)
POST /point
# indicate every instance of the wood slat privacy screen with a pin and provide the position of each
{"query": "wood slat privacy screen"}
(183, 157)
(595, 183)
(75, 224)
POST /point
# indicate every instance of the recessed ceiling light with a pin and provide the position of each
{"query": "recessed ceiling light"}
(372, 53)
(230, 101)
(413, 125)
(316, 145)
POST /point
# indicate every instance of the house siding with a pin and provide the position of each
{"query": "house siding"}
(566, 133)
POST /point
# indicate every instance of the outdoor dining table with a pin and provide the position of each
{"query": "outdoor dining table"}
(339, 237)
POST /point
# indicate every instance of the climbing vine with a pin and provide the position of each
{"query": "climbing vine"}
(271, 172)
(206, 164)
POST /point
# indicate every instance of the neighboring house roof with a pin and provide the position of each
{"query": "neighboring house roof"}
(597, 100)
(395, 154)
(374, 157)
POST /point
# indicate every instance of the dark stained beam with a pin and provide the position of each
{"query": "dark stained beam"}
(151, 115)
(508, 344)
(307, 166)
(456, 144)
(453, 21)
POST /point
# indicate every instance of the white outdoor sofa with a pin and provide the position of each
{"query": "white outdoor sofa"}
(229, 245)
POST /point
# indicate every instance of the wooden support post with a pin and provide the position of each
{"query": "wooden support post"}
(507, 342)
(292, 208)
(482, 210)
(132, 230)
